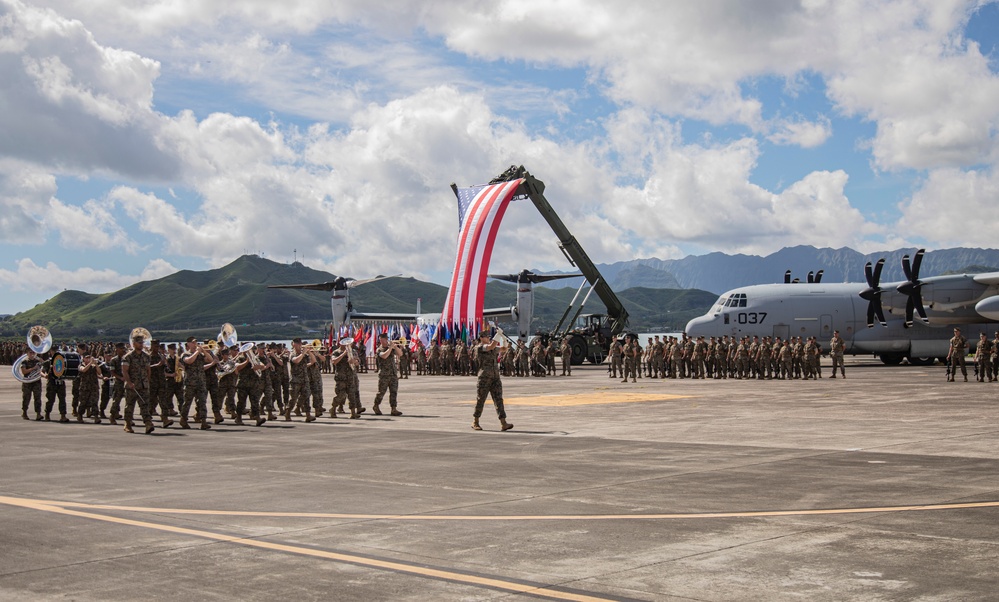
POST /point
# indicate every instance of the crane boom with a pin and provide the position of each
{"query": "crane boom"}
(534, 189)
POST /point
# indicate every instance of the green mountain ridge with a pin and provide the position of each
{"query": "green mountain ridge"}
(237, 293)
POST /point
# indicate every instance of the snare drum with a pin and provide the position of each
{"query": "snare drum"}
(66, 364)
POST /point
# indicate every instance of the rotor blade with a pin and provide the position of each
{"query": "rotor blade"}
(547, 277)
(325, 286)
(787, 277)
(880, 313)
(877, 271)
(870, 313)
(917, 260)
(869, 274)
(909, 307)
(818, 276)
(506, 277)
(918, 302)
(353, 283)
(906, 269)
(811, 277)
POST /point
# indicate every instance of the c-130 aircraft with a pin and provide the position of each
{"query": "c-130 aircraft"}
(921, 312)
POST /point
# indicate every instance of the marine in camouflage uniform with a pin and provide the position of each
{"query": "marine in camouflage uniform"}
(615, 355)
(566, 350)
(346, 381)
(983, 358)
(385, 358)
(227, 383)
(249, 385)
(173, 382)
(118, 385)
(32, 389)
(488, 381)
(157, 380)
(300, 360)
(90, 389)
(195, 388)
(212, 384)
(55, 387)
(837, 347)
(316, 381)
(956, 355)
(135, 376)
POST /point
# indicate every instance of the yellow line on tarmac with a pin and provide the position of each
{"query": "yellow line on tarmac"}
(511, 517)
(277, 547)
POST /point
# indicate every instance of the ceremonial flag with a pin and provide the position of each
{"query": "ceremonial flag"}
(480, 211)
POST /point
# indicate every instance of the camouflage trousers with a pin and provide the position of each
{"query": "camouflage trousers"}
(52, 391)
(488, 385)
(346, 390)
(29, 390)
(132, 396)
(316, 392)
(253, 392)
(171, 390)
(156, 386)
(387, 382)
(196, 393)
(89, 400)
(299, 396)
(227, 391)
(117, 393)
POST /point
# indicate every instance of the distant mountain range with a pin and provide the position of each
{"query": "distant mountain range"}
(718, 272)
(200, 302)
(659, 294)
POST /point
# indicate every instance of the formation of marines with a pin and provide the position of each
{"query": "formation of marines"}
(271, 380)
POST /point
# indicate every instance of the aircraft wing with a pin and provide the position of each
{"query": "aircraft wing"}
(384, 317)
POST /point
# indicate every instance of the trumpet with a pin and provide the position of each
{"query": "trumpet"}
(314, 345)
(40, 341)
(211, 345)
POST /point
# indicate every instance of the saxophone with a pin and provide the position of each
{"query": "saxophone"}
(178, 369)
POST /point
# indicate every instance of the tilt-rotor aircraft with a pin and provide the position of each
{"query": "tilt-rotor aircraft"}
(480, 211)
(921, 313)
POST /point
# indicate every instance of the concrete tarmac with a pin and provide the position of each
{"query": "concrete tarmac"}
(882, 486)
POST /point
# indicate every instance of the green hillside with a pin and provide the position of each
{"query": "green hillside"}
(200, 302)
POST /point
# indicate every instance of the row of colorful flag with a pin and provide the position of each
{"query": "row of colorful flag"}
(367, 334)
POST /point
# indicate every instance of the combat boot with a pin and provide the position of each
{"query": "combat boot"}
(354, 414)
(505, 426)
(475, 424)
(24, 414)
(377, 411)
(183, 423)
(97, 419)
(319, 412)
(63, 419)
(79, 418)
(308, 416)
(149, 427)
(261, 420)
(287, 414)
(396, 412)
(218, 418)
(166, 420)
(204, 425)
(128, 427)
(47, 417)
(238, 421)
(271, 416)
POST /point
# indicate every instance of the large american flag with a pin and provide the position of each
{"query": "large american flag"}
(480, 211)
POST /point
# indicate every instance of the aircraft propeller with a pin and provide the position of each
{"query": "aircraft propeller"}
(911, 286)
(341, 283)
(813, 277)
(872, 294)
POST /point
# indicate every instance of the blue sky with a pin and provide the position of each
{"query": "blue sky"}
(146, 137)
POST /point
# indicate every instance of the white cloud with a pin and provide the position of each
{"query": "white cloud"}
(799, 132)
(90, 226)
(954, 208)
(50, 278)
(25, 192)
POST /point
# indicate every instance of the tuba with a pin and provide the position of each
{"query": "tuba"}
(227, 336)
(147, 339)
(40, 341)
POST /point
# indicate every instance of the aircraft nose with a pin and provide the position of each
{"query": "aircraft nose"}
(702, 326)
